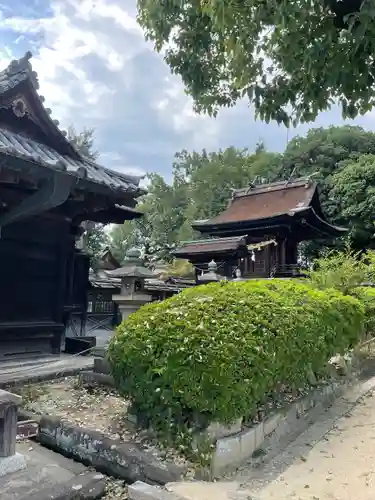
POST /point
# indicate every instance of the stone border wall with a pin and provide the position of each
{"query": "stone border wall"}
(125, 460)
(236, 449)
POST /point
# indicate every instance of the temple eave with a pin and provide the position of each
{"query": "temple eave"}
(307, 219)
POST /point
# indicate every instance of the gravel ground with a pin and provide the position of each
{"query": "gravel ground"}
(116, 490)
(98, 408)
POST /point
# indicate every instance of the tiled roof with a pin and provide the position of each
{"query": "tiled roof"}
(102, 279)
(23, 147)
(210, 246)
(13, 144)
(266, 201)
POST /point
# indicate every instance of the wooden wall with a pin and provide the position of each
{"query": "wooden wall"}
(33, 284)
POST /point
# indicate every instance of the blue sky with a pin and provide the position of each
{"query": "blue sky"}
(96, 70)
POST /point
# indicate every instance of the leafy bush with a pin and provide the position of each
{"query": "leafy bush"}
(218, 350)
(367, 296)
(341, 270)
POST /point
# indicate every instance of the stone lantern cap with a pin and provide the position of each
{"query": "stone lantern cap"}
(132, 267)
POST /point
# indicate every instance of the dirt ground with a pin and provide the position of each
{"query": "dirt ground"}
(97, 408)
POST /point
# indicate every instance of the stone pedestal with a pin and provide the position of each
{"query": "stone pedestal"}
(10, 461)
(130, 303)
(211, 276)
(133, 274)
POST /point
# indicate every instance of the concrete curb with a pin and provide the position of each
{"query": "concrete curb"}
(88, 486)
(125, 460)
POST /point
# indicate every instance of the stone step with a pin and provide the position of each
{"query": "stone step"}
(143, 491)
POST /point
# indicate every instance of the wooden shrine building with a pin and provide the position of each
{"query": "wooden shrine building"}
(260, 230)
(47, 189)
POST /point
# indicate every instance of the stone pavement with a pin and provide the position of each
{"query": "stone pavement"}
(45, 367)
(45, 469)
(334, 459)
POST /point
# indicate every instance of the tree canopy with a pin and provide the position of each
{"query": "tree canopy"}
(354, 190)
(290, 59)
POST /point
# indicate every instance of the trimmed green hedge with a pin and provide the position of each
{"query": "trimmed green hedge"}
(219, 349)
(366, 295)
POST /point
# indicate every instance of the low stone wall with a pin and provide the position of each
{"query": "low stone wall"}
(125, 460)
(233, 450)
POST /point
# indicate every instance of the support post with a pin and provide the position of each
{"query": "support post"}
(8, 422)
(10, 460)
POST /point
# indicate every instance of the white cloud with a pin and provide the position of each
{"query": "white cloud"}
(86, 57)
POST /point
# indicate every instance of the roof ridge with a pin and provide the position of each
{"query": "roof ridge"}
(211, 240)
(19, 71)
(272, 186)
(127, 177)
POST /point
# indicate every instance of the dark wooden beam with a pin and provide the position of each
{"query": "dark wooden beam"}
(52, 192)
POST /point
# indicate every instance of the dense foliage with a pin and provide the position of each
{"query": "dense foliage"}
(366, 295)
(289, 59)
(354, 190)
(344, 271)
(218, 350)
(347, 272)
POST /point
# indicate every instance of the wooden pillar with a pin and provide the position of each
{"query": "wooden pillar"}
(267, 260)
(282, 244)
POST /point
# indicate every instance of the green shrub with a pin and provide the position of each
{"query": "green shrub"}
(366, 295)
(218, 350)
(341, 270)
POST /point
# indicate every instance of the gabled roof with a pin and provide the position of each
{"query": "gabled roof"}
(265, 204)
(19, 93)
(210, 246)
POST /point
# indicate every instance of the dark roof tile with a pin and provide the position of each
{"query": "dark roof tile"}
(210, 246)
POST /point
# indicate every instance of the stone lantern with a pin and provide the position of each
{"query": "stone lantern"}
(238, 275)
(211, 275)
(133, 274)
